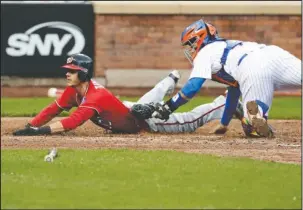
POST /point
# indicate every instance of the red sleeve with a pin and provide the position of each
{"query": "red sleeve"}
(77, 118)
(47, 114)
(68, 99)
(94, 101)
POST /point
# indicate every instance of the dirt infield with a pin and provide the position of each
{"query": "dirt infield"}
(286, 147)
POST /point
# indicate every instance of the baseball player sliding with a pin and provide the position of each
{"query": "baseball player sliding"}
(96, 103)
(248, 68)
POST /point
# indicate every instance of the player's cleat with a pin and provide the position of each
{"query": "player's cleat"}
(248, 129)
(258, 123)
(251, 132)
(175, 75)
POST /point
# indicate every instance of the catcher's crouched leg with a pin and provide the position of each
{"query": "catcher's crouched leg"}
(143, 111)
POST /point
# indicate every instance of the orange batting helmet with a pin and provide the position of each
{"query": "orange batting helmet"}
(196, 36)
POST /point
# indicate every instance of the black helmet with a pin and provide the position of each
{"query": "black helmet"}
(82, 63)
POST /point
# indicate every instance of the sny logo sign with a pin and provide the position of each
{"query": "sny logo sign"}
(26, 44)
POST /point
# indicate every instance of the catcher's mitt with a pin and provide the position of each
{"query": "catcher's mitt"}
(143, 111)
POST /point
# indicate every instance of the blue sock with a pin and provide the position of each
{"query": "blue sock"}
(264, 107)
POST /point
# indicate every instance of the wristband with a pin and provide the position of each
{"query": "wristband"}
(175, 102)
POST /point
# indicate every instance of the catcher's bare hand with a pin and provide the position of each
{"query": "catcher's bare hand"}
(220, 129)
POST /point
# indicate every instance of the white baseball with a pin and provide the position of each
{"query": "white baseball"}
(52, 92)
(48, 158)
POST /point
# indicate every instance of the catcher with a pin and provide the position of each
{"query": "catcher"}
(98, 104)
(248, 68)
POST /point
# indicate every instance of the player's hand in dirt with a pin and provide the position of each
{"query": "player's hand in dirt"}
(29, 131)
(32, 131)
(220, 129)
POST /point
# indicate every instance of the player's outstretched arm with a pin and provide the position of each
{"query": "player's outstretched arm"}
(46, 115)
(190, 89)
(76, 119)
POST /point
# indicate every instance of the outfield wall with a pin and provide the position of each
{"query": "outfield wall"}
(137, 43)
(146, 35)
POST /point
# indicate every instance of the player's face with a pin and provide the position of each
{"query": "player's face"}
(72, 78)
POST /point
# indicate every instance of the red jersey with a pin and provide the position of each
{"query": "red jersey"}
(99, 105)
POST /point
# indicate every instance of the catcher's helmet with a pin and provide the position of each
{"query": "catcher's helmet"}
(196, 36)
(81, 63)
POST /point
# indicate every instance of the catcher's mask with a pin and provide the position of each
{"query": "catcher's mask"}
(196, 36)
(81, 63)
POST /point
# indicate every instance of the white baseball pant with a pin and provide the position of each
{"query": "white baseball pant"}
(266, 70)
(180, 122)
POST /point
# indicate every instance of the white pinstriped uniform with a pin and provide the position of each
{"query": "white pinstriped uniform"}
(179, 122)
(263, 70)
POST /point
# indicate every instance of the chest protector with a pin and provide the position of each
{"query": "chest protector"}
(222, 76)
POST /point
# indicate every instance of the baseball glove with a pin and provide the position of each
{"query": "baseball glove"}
(143, 111)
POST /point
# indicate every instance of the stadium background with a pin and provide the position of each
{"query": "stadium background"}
(138, 43)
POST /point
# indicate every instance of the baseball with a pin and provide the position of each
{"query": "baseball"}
(52, 92)
(52, 154)
(48, 158)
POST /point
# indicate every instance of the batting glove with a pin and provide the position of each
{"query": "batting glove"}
(32, 131)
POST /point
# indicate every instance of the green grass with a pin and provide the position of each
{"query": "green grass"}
(283, 107)
(145, 179)
(286, 108)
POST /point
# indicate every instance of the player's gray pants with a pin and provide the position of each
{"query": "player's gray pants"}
(189, 121)
(180, 122)
(266, 70)
(156, 94)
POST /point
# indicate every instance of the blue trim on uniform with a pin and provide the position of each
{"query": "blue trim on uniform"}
(263, 106)
(241, 59)
(231, 103)
(229, 46)
(222, 76)
(189, 90)
(243, 56)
